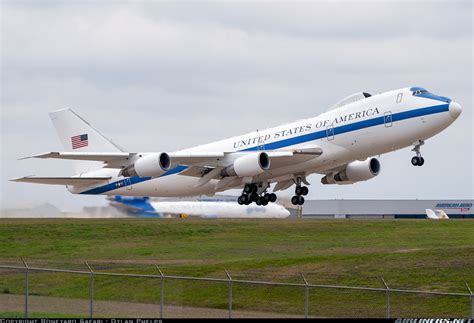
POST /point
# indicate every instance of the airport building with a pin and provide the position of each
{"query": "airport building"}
(391, 209)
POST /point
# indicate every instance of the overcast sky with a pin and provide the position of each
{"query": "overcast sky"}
(159, 76)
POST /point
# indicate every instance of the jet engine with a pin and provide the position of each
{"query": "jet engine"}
(248, 165)
(355, 171)
(152, 165)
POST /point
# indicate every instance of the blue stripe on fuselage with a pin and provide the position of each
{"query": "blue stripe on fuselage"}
(133, 180)
(290, 142)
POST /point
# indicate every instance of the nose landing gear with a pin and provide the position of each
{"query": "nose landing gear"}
(418, 160)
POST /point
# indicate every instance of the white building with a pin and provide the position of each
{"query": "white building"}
(455, 209)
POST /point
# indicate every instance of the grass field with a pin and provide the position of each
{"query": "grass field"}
(416, 254)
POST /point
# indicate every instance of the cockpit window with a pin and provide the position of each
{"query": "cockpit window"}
(419, 90)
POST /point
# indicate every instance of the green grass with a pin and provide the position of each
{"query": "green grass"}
(43, 315)
(418, 254)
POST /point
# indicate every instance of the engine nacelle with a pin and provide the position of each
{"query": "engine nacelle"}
(356, 171)
(151, 165)
(248, 165)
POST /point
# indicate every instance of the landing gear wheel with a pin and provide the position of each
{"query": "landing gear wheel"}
(305, 191)
(250, 188)
(418, 160)
(266, 197)
(240, 200)
(264, 202)
(295, 200)
(300, 200)
(273, 197)
(253, 197)
(258, 201)
(298, 190)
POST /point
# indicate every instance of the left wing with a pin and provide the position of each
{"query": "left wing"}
(206, 165)
(77, 181)
(209, 159)
(111, 160)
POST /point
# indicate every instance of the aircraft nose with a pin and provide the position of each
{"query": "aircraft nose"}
(454, 109)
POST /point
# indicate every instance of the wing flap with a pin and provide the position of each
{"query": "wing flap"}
(222, 159)
(75, 181)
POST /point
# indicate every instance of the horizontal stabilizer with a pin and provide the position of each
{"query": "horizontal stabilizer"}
(75, 181)
(112, 160)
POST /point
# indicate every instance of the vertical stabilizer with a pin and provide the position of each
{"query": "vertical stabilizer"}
(430, 214)
(441, 214)
(78, 135)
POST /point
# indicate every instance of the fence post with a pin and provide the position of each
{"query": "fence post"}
(306, 296)
(162, 291)
(26, 286)
(91, 290)
(387, 292)
(230, 293)
(470, 299)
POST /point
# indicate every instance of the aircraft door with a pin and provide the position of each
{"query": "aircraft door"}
(330, 132)
(387, 119)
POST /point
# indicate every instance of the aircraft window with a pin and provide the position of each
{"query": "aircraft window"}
(399, 97)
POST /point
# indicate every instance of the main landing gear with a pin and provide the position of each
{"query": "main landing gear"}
(298, 199)
(418, 160)
(250, 194)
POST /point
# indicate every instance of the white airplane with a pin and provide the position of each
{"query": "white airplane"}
(338, 144)
(436, 214)
(143, 207)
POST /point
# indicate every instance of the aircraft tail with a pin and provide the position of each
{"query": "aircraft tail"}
(431, 215)
(436, 214)
(76, 134)
(441, 214)
(134, 206)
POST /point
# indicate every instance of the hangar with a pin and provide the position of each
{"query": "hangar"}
(392, 209)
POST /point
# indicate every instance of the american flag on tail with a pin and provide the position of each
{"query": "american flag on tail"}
(79, 141)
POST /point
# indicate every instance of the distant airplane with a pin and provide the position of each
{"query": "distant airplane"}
(338, 144)
(436, 214)
(144, 207)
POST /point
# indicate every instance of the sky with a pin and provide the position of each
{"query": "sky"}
(163, 76)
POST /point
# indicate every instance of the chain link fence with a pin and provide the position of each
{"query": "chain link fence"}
(98, 293)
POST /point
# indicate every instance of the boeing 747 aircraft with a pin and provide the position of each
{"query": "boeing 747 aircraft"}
(338, 144)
